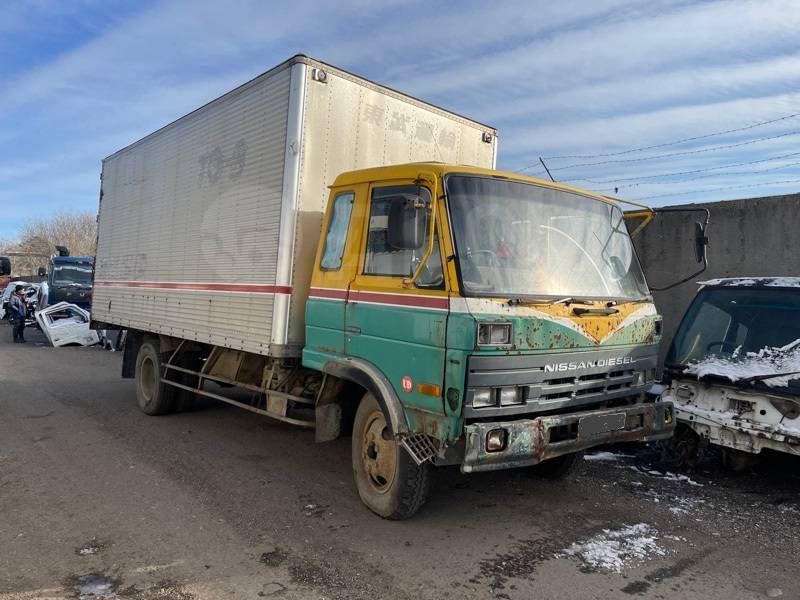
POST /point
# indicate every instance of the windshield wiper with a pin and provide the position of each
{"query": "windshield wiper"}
(607, 310)
(519, 301)
(756, 378)
(571, 300)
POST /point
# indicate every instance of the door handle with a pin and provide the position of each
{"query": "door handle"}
(352, 329)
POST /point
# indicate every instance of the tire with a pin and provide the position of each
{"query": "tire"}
(555, 468)
(388, 480)
(153, 396)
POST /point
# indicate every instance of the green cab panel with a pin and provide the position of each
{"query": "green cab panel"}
(325, 325)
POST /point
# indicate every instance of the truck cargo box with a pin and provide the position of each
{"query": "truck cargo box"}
(207, 228)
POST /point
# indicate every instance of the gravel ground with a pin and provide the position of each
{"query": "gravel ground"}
(100, 501)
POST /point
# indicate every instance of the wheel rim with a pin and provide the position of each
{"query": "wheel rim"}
(378, 453)
(148, 378)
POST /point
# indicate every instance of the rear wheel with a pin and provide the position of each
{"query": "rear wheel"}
(555, 468)
(153, 396)
(389, 482)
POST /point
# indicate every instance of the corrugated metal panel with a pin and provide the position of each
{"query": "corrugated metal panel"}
(350, 123)
(198, 202)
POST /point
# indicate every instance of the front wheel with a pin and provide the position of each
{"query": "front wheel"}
(389, 482)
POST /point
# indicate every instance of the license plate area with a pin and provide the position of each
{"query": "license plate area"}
(596, 424)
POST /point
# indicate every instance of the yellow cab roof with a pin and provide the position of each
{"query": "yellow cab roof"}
(412, 170)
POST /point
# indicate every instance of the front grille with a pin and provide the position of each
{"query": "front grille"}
(593, 384)
(600, 379)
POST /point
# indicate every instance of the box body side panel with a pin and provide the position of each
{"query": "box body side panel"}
(189, 222)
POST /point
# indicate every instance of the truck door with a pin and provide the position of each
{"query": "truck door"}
(338, 262)
(397, 326)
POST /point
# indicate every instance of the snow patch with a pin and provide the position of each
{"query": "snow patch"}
(612, 550)
(667, 475)
(606, 456)
(767, 361)
(785, 282)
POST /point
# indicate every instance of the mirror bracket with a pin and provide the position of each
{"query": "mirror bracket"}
(430, 179)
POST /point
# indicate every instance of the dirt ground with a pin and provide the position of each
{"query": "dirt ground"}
(98, 500)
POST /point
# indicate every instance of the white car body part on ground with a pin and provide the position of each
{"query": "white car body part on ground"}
(64, 324)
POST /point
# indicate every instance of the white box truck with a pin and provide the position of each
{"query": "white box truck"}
(349, 256)
(207, 228)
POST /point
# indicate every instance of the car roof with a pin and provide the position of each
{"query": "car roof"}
(753, 282)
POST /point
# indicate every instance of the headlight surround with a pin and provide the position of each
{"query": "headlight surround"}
(494, 334)
(493, 397)
(483, 398)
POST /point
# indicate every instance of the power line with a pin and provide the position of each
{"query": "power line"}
(672, 154)
(676, 142)
(719, 189)
(728, 173)
(692, 172)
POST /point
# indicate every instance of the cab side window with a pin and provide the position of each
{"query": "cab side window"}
(337, 232)
(383, 255)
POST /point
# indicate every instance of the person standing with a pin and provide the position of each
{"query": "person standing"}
(19, 310)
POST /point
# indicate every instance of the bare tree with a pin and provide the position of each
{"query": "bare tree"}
(38, 237)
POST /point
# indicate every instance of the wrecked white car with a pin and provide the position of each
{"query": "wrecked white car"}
(733, 369)
(66, 324)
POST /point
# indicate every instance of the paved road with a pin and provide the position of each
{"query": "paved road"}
(100, 501)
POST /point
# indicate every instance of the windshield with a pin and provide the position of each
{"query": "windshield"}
(72, 274)
(730, 322)
(524, 240)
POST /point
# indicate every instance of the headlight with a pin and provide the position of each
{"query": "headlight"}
(494, 334)
(483, 398)
(509, 395)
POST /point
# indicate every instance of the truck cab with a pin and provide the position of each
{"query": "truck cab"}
(69, 279)
(496, 320)
(733, 367)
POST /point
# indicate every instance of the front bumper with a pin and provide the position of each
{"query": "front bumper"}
(531, 441)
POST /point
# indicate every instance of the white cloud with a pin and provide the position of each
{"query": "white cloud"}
(557, 77)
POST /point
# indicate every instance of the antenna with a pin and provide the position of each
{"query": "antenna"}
(541, 160)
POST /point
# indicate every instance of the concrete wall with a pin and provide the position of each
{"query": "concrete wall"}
(751, 237)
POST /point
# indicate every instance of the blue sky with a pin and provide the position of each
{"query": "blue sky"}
(81, 79)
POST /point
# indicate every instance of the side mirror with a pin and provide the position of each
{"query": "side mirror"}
(42, 272)
(5, 265)
(407, 221)
(700, 241)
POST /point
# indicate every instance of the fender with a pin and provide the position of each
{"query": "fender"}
(374, 381)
